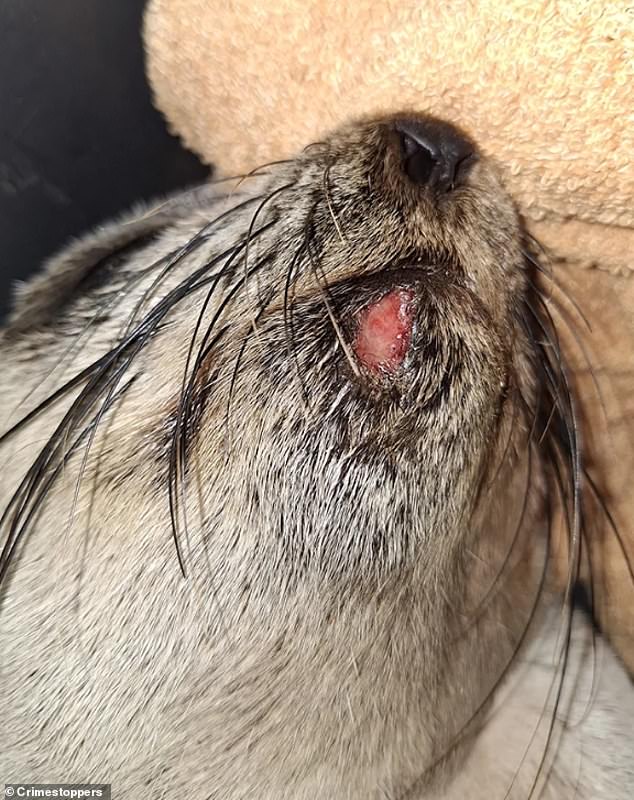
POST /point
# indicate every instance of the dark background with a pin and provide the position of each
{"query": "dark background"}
(79, 138)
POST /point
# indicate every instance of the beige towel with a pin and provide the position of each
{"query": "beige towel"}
(546, 88)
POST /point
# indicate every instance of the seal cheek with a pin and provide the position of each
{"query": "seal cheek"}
(384, 331)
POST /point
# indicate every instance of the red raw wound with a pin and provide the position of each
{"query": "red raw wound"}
(385, 331)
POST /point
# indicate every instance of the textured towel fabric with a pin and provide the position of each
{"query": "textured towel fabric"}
(545, 87)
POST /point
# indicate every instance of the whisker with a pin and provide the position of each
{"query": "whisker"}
(579, 342)
(466, 727)
(571, 425)
(611, 523)
(99, 377)
(291, 349)
(259, 171)
(275, 193)
(324, 291)
(484, 600)
(328, 197)
(558, 681)
(236, 369)
(22, 520)
(177, 459)
(554, 284)
(178, 449)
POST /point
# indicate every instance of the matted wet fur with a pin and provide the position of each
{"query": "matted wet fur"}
(239, 562)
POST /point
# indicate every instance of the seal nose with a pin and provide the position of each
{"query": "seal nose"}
(434, 154)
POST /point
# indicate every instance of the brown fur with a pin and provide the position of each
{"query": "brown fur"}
(364, 556)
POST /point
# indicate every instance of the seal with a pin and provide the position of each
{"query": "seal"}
(280, 461)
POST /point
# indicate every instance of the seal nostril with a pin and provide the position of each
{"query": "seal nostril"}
(418, 161)
(462, 168)
(434, 154)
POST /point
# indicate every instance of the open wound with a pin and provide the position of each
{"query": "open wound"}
(384, 331)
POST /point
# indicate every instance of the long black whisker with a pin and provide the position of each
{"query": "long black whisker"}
(178, 449)
(466, 727)
(275, 193)
(20, 526)
(611, 523)
(326, 298)
(482, 603)
(328, 197)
